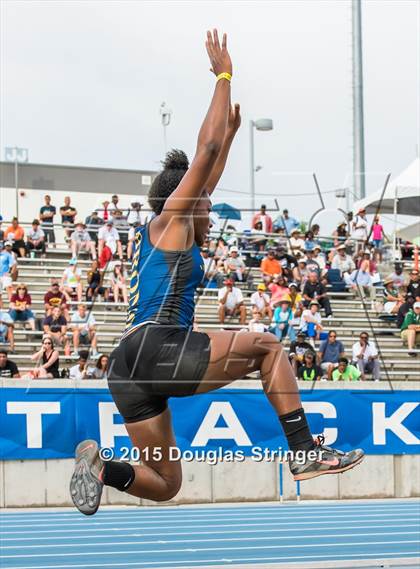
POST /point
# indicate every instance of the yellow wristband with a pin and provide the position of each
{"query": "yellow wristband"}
(227, 76)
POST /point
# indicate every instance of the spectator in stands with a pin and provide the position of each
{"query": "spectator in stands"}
(20, 306)
(365, 357)
(118, 283)
(121, 225)
(210, 269)
(394, 297)
(47, 361)
(255, 324)
(130, 242)
(398, 277)
(340, 234)
(221, 251)
(8, 369)
(71, 281)
(8, 268)
(404, 308)
(81, 370)
(301, 273)
(413, 287)
(315, 290)
(231, 302)
(345, 371)
(46, 215)
(115, 204)
(68, 214)
(278, 289)
(105, 212)
(6, 327)
(329, 353)
(135, 216)
(93, 223)
(295, 297)
(265, 220)
(16, 235)
(81, 241)
(360, 229)
(297, 351)
(55, 326)
(410, 329)
(270, 267)
(83, 324)
(319, 258)
(234, 265)
(309, 241)
(282, 318)
(360, 282)
(109, 244)
(258, 239)
(260, 302)
(309, 370)
(287, 222)
(312, 265)
(287, 262)
(343, 262)
(35, 238)
(296, 243)
(55, 297)
(311, 321)
(95, 283)
(377, 237)
(100, 371)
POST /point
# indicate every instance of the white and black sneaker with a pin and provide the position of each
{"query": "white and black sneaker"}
(86, 484)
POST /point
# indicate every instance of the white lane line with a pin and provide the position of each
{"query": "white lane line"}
(236, 524)
(213, 539)
(147, 522)
(197, 549)
(170, 533)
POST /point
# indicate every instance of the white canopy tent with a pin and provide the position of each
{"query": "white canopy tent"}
(402, 195)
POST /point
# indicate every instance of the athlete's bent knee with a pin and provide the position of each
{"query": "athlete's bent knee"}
(171, 490)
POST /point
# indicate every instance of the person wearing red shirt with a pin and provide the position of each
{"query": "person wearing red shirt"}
(20, 306)
(264, 218)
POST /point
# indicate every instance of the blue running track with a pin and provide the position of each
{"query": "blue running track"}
(331, 534)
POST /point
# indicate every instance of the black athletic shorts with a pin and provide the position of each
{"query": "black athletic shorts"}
(153, 363)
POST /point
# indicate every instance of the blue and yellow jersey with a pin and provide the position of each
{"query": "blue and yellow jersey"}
(163, 283)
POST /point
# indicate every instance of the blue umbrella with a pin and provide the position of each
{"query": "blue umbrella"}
(226, 211)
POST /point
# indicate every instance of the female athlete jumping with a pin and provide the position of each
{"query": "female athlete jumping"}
(159, 355)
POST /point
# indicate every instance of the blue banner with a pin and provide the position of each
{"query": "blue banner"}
(48, 423)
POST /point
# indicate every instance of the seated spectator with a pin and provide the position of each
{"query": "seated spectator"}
(343, 262)
(109, 244)
(301, 273)
(55, 327)
(231, 302)
(68, 215)
(54, 297)
(8, 267)
(345, 371)
(83, 324)
(210, 269)
(398, 277)
(8, 369)
(118, 283)
(286, 222)
(329, 353)
(263, 218)
(258, 239)
(295, 297)
(270, 267)
(95, 283)
(319, 259)
(309, 370)
(255, 324)
(121, 225)
(47, 361)
(365, 357)
(410, 329)
(71, 281)
(312, 265)
(16, 235)
(221, 251)
(80, 241)
(311, 321)
(135, 218)
(81, 370)
(35, 238)
(288, 263)
(234, 265)
(20, 306)
(93, 223)
(404, 308)
(315, 290)
(260, 302)
(361, 284)
(282, 318)
(413, 287)
(100, 371)
(393, 297)
(278, 289)
(46, 215)
(296, 243)
(340, 234)
(309, 241)
(297, 351)
(6, 327)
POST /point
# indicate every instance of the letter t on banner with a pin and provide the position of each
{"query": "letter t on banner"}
(33, 411)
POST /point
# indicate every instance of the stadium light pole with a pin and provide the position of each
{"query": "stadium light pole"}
(165, 114)
(16, 155)
(263, 125)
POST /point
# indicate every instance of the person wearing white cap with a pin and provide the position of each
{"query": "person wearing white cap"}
(296, 243)
(343, 262)
(80, 241)
(234, 265)
(410, 329)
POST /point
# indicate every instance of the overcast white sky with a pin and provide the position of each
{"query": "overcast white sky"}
(82, 83)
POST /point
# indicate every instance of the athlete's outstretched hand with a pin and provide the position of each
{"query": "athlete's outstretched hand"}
(219, 55)
(234, 119)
